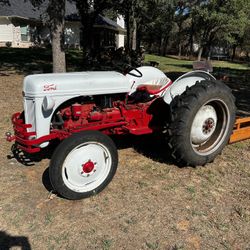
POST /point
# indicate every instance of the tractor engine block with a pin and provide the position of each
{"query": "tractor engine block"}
(79, 115)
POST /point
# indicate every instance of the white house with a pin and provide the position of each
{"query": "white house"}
(120, 41)
(21, 26)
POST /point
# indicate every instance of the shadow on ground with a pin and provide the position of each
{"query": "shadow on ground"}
(27, 159)
(8, 242)
(153, 146)
(35, 60)
(25, 60)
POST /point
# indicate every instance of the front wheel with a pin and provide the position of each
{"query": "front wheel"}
(83, 165)
(202, 121)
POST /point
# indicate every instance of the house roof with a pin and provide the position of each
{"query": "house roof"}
(24, 9)
(102, 21)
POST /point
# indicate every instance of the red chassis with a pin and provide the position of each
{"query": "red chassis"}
(122, 118)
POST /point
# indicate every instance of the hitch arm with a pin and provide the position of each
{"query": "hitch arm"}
(241, 130)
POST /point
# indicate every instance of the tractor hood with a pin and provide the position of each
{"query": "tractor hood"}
(80, 83)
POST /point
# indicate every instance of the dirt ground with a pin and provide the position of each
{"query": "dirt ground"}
(150, 203)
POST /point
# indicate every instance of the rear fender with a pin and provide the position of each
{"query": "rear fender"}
(187, 80)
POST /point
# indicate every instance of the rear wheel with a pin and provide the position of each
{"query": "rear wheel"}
(202, 122)
(83, 164)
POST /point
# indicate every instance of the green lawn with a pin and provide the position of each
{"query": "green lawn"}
(171, 64)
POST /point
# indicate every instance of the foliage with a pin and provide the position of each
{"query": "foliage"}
(245, 42)
(218, 21)
(4, 2)
(165, 24)
(160, 23)
(162, 26)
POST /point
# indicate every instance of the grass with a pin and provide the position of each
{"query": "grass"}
(172, 64)
(150, 203)
(106, 244)
(152, 245)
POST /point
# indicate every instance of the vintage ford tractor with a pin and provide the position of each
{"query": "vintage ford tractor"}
(195, 113)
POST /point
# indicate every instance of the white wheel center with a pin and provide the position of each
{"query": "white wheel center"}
(86, 167)
(203, 125)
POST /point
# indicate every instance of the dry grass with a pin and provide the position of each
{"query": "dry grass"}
(150, 204)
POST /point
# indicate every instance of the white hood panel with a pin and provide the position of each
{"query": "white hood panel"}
(80, 83)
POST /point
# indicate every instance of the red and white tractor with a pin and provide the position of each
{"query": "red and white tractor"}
(196, 114)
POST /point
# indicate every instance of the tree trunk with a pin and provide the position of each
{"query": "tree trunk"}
(159, 46)
(56, 11)
(179, 50)
(191, 39)
(164, 45)
(134, 34)
(234, 51)
(133, 27)
(180, 23)
(88, 21)
(200, 53)
(59, 62)
(88, 17)
(127, 45)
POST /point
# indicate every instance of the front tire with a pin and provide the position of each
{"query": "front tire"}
(202, 121)
(83, 165)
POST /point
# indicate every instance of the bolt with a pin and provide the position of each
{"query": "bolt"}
(8, 134)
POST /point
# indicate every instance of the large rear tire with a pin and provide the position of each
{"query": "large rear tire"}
(202, 119)
(83, 165)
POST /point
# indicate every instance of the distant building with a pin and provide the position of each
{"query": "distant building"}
(21, 27)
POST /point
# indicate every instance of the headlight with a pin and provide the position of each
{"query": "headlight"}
(48, 103)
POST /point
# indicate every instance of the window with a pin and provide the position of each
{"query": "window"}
(24, 33)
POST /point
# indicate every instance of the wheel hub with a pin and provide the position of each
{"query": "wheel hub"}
(88, 168)
(208, 126)
(204, 125)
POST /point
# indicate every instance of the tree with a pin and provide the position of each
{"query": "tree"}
(55, 19)
(217, 20)
(159, 24)
(245, 42)
(89, 11)
(130, 10)
(56, 22)
(180, 18)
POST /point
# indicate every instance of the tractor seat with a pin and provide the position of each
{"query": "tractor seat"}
(154, 89)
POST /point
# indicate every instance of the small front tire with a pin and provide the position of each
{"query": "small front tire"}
(83, 165)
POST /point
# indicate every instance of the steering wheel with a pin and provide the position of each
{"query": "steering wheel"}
(129, 68)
